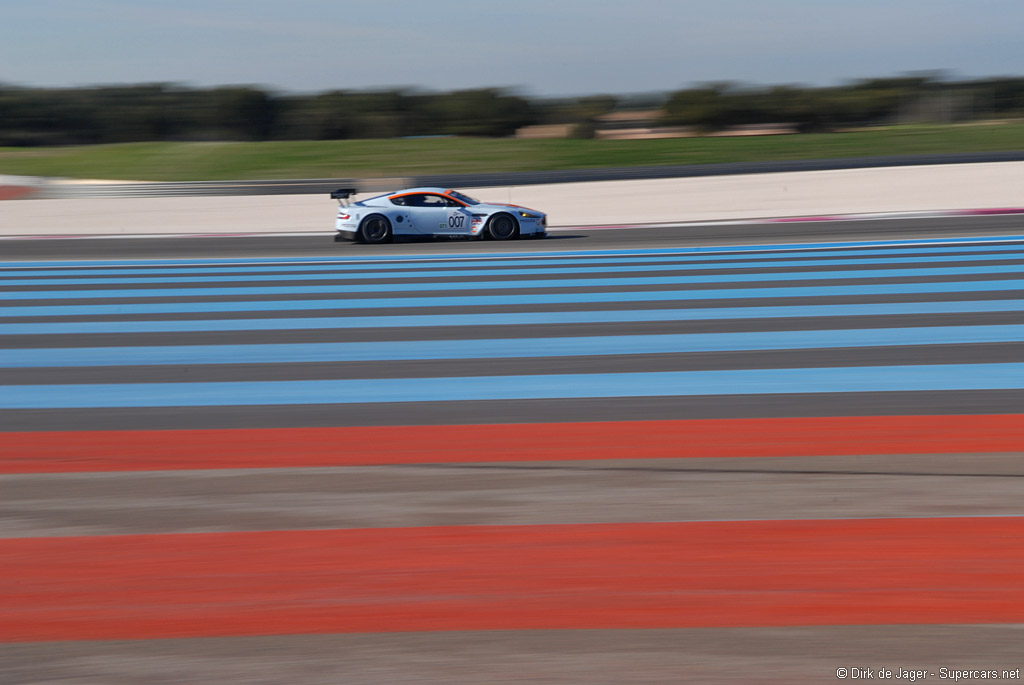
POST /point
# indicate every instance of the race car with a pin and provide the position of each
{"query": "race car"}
(432, 212)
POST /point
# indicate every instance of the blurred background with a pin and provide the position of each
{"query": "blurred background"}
(173, 126)
(528, 87)
(174, 113)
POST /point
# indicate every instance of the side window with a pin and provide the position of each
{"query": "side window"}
(423, 200)
(451, 203)
(417, 200)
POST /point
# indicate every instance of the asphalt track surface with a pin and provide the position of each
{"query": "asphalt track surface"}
(592, 238)
(718, 454)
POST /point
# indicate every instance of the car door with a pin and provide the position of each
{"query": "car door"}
(459, 217)
(428, 213)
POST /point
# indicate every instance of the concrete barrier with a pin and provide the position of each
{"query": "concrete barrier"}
(707, 198)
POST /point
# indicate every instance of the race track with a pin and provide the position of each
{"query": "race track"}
(713, 453)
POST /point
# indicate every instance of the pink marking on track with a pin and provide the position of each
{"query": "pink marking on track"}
(995, 211)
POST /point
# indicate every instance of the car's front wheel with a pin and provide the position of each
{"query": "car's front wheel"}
(502, 227)
(375, 229)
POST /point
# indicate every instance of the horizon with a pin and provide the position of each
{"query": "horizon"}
(936, 75)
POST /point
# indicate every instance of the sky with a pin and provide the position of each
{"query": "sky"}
(536, 47)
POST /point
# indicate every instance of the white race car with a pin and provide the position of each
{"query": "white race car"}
(432, 212)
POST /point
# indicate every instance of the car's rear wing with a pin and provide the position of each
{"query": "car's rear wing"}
(342, 195)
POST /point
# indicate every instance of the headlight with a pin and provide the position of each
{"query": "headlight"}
(528, 215)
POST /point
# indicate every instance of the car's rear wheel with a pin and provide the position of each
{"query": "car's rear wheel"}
(502, 227)
(375, 229)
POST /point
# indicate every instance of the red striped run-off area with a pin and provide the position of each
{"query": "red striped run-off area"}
(649, 575)
(132, 450)
(638, 575)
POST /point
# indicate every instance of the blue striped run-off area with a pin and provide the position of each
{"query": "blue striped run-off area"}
(853, 296)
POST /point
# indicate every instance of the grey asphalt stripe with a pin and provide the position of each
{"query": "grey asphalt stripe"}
(528, 284)
(129, 314)
(794, 654)
(269, 268)
(339, 301)
(484, 277)
(460, 333)
(622, 363)
(961, 467)
(518, 411)
(403, 496)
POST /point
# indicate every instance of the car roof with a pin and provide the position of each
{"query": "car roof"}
(440, 191)
(406, 191)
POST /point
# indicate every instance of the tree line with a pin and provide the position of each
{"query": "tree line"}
(909, 99)
(170, 112)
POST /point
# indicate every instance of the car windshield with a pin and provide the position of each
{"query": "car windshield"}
(462, 198)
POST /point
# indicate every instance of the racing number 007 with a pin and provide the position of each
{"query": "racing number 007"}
(456, 220)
